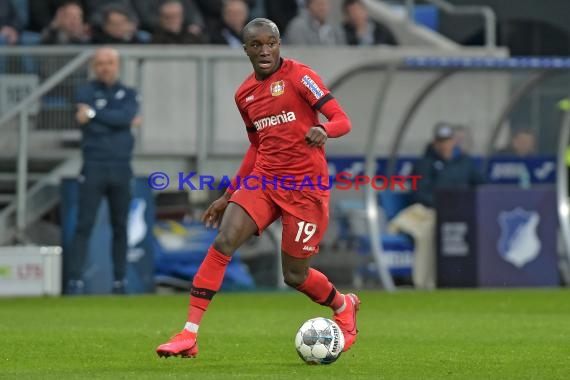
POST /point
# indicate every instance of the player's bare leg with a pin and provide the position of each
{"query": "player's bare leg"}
(236, 227)
(299, 275)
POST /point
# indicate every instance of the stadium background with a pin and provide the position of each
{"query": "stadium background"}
(491, 72)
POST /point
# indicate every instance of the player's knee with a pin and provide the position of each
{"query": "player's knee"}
(225, 243)
(294, 278)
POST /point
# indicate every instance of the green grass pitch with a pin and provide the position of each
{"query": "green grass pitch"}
(468, 334)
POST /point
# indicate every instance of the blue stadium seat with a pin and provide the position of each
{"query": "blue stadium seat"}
(30, 64)
(144, 36)
(427, 15)
(392, 202)
(424, 14)
(398, 252)
(180, 249)
(350, 218)
(398, 249)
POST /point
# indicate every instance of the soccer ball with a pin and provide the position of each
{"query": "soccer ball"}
(319, 341)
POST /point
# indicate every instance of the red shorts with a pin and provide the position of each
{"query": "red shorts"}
(304, 214)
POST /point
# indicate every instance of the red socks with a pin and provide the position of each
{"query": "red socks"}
(210, 275)
(206, 283)
(318, 288)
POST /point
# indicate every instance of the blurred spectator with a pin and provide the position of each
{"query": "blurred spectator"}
(42, 12)
(147, 11)
(439, 168)
(119, 26)
(522, 144)
(67, 26)
(94, 9)
(463, 140)
(212, 10)
(21, 7)
(313, 27)
(283, 11)
(360, 29)
(234, 18)
(106, 112)
(171, 28)
(10, 23)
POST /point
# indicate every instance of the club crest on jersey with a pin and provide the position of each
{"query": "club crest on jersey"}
(277, 88)
(312, 86)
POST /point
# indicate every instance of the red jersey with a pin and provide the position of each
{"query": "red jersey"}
(281, 109)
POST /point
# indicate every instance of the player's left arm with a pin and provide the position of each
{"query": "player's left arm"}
(338, 124)
(312, 88)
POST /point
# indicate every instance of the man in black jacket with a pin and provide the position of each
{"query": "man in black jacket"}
(106, 111)
(228, 32)
(118, 25)
(441, 167)
(67, 26)
(172, 28)
(361, 30)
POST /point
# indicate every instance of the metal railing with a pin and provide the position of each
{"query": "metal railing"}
(81, 57)
(370, 196)
(22, 110)
(562, 183)
(488, 14)
(23, 69)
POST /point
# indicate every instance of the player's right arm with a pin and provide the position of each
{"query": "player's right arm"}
(248, 161)
(213, 215)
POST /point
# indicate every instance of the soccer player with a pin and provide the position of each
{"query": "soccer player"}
(279, 103)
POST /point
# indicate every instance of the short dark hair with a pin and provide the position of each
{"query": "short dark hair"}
(118, 8)
(164, 2)
(348, 3)
(522, 131)
(168, 2)
(226, 2)
(66, 3)
(258, 23)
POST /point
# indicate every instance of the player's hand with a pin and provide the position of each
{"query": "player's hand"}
(213, 215)
(316, 136)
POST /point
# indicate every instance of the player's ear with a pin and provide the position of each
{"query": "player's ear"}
(244, 49)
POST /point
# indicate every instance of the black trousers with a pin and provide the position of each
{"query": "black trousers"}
(98, 180)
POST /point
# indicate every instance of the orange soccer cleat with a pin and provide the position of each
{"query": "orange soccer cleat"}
(346, 320)
(183, 344)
